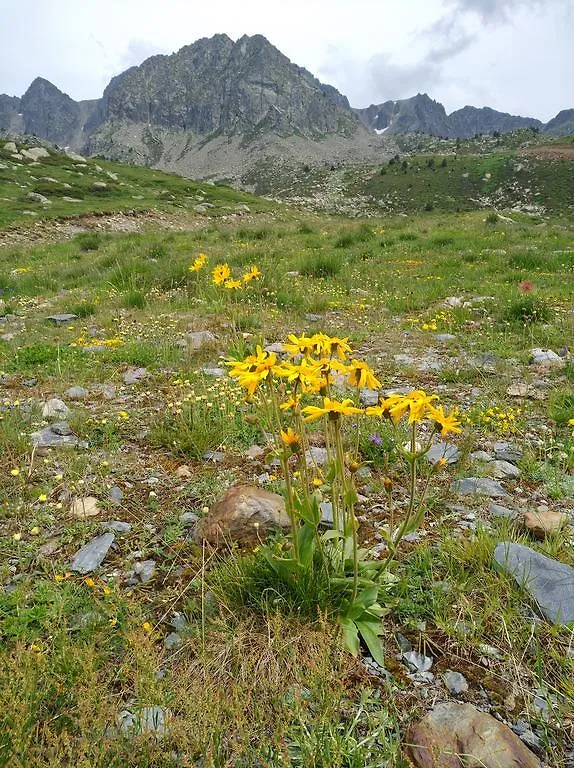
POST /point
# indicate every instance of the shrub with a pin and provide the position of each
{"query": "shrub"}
(321, 265)
(89, 241)
(527, 310)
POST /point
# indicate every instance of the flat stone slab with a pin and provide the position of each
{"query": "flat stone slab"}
(66, 317)
(481, 486)
(446, 451)
(92, 554)
(57, 435)
(548, 582)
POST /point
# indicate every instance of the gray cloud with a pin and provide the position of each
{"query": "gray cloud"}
(497, 10)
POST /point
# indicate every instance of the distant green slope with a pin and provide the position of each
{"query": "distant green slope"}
(74, 188)
(466, 182)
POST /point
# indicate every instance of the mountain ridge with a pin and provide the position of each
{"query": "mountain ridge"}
(218, 108)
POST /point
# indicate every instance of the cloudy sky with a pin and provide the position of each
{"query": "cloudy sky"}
(512, 55)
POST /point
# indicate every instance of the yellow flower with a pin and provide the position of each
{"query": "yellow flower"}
(200, 262)
(331, 345)
(221, 273)
(233, 284)
(416, 403)
(571, 422)
(360, 375)
(317, 482)
(441, 463)
(17, 537)
(43, 497)
(34, 531)
(15, 472)
(291, 402)
(445, 422)
(147, 627)
(298, 345)
(290, 438)
(89, 582)
(252, 274)
(331, 408)
(59, 577)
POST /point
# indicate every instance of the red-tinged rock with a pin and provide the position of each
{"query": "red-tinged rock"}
(461, 736)
(244, 515)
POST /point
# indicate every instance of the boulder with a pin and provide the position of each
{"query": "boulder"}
(244, 515)
(455, 735)
(545, 357)
(542, 523)
(549, 583)
(482, 486)
(55, 408)
(35, 153)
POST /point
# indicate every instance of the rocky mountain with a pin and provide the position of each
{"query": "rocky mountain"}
(420, 114)
(219, 108)
(562, 124)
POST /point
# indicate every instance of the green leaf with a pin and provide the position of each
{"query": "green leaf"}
(332, 534)
(307, 540)
(350, 635)
(369, 633)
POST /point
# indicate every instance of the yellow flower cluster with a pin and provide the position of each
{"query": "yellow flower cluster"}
(199, 263)
(20, 271)
(111, 343)
(221, 275)
(495, 419)
(314, 365)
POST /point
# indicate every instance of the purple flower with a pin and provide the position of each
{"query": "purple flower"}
(376, 439)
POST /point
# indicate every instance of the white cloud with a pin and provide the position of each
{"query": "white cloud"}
(505, 52)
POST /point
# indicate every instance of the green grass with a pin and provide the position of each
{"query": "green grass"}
(256, 682)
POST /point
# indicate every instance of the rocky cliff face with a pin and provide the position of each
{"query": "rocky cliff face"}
(218, 85)
(421, 114)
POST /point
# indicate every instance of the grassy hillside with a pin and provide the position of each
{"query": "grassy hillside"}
(74, 188)
(459, 182)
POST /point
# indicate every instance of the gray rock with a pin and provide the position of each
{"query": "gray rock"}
(117, 526)
(404, 359)
(549, 583)
(545, 357)
(99, 185)
(35, 153)
(55, 408)
(277, 347)
(198, 339)
(217, 372)
(147, 720)
(172, 642)
(56, 436)
(442, 451)
(418, 662)
(179, 622)
(503, 469)
(75, 156)
(35, 197)
(504, 451)
(497, 510)
(10, 147)
(482, 486)
(188, 518)
(255, 452)
(326, 508)
(444, 337)
(134, 374)
(62, 319)
(312, 317)
(145, 570)
(316, 455)
(116, 494)
(481, 456)
(215, 456)
(455, 682)
(92, 554)
(368, 397)
(76, 393)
